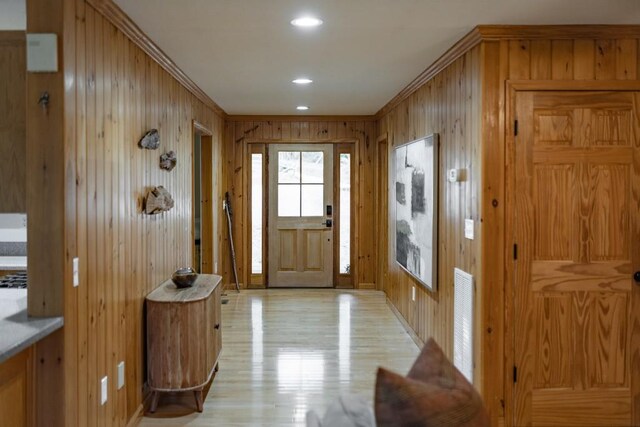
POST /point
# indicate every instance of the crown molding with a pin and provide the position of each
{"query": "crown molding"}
(298, 118)
(483, 33)
(465, 44)
(124, 23)
(556, 32)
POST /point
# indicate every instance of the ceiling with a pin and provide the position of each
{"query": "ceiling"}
(244, 53)
(13, 15)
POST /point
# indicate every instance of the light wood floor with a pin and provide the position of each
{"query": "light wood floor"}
(288, 351)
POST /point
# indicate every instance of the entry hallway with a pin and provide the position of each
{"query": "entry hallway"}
(287, 351)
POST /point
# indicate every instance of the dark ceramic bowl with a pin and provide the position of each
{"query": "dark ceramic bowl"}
(184, 277)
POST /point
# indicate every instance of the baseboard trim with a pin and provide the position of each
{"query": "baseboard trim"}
(416, 339)
(137, 416)
(367, 286)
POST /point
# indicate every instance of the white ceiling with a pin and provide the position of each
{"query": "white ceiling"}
(13, 15)
(244, 53)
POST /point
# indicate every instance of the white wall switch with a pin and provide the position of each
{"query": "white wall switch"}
(104, 389)
(120, 375)
(42, 53)
(215, 267)
(469, 229)
(413, 293)
(76, 272)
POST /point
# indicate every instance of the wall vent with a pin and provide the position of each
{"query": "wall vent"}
(463, 323)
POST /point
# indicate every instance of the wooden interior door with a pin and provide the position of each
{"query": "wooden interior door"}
(577, 230)
(300, 224)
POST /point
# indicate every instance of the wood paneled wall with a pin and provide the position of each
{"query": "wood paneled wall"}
(546, 54)
(239, 131)
(465, 103)
(12, 121)
(122, 93)
(118, 92)
(449, 104)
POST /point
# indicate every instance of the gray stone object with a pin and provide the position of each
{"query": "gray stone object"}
(168, 161)
(158, 200)
(150, 140)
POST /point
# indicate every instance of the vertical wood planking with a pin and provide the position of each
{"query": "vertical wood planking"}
(444, 105)
(238, 132)
(519, 59)
(119, 94)
(626, 59)
(584, 59)
(13, 141)
(562, 59)
(541, 59)
(605, 59)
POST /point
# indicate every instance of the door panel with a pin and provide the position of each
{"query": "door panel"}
(301, 187)
(577, 226)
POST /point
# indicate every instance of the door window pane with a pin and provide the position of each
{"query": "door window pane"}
(312, 200)
(312, 167)
(256, 213)
(289, 167)
(288, 199)
(345, 213)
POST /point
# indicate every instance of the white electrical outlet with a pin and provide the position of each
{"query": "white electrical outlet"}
(120, 375)
(468, 229)
(76, 272)
(104, 389)
(413, 293)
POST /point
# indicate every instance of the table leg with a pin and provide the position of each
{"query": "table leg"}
(199, 403)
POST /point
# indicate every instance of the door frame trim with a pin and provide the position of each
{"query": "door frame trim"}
(206, 164)
(335, 142)
(512, 87)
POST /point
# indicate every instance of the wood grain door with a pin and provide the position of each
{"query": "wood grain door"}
(577, 230)
(300, 190)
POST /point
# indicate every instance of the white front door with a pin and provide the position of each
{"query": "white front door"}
(300, 215)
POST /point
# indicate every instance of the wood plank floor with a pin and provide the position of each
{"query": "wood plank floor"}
(287, 351)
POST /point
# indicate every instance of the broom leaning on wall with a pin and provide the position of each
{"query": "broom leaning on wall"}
(226, 205)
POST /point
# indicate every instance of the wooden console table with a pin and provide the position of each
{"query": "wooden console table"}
(184, 337)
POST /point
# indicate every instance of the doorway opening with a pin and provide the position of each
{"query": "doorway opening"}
(300, 215)
(202, 197)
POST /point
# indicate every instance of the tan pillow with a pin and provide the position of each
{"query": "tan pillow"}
(435, 393)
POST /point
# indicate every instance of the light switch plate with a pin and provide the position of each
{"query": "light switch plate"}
(215, 267)
(104, 383)
(120, 375)
(42, 53)
(76, 272)
(413, 293)
(469, 229)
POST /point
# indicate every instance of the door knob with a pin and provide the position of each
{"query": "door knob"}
(328, 223)
(636, 276)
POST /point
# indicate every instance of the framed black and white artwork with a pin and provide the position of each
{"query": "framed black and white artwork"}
(416, 191)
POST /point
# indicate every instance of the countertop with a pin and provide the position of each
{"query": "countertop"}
(17, 330)
(13, 262)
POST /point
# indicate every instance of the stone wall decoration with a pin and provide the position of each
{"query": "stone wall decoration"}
(168, 161)
(150, 140)
(158, 200)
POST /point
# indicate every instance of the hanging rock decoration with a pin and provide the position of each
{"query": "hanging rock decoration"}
(168, 161)
(157, 201)
(150, 140)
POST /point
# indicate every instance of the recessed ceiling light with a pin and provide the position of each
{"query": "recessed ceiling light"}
(302, 81)
(306, 21)
(302, 108)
